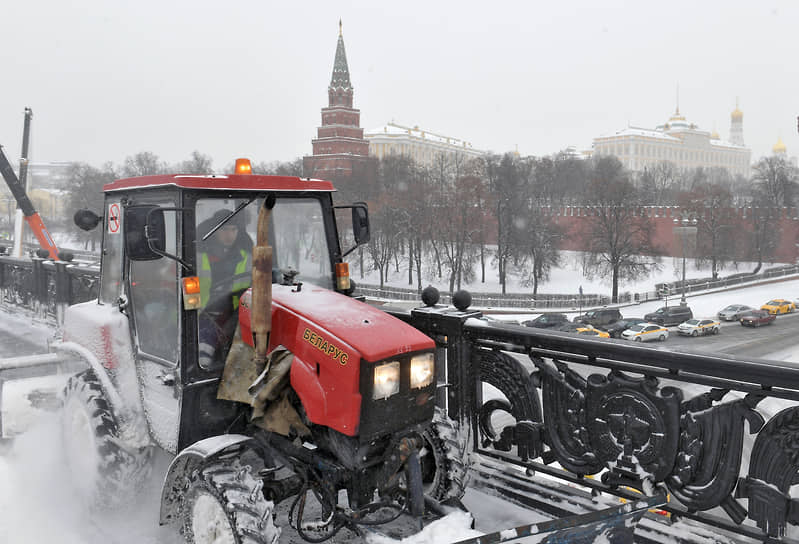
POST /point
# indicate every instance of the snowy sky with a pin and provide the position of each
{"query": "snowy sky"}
(248, 78)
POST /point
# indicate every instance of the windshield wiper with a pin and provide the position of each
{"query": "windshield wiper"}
(227, 218)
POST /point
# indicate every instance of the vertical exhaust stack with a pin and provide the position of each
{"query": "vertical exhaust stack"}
(261, 312)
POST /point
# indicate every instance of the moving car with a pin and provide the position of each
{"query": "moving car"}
(755, 318)
(646, 332)
(547, 321)
(695, 327)
(615, 329)
(779, 306)
(599, 317)
(733, 312)
(670, 315)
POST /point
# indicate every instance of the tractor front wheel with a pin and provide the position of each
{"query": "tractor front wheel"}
(444, 459)
(225, 503)
(102, 469)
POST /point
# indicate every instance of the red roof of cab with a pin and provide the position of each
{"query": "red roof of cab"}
(231, 182)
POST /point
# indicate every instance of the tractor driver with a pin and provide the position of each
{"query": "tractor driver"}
(224, 263)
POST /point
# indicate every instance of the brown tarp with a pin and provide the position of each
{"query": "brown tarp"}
(265, 389)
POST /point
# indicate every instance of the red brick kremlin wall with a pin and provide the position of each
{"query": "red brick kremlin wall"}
(576, 220)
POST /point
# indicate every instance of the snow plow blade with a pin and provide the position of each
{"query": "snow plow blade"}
(35, 366)
(615, 524)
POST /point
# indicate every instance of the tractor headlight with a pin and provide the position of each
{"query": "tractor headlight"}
(422, 370)
(387, 380)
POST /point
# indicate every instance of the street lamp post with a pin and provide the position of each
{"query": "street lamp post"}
(684, 226)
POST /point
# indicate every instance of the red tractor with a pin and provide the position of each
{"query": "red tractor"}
(267, 381)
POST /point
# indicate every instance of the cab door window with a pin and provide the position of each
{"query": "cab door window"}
(154, 298)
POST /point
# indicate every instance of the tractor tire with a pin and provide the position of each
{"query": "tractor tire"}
(444, 459)
(102, 469)
(225, 504)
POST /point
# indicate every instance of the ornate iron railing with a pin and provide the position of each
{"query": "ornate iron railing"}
(613, 416)
(46, 287)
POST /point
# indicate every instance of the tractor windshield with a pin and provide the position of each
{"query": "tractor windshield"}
(296, 233)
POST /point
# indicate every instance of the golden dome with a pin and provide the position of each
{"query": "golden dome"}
(677, 116)
(737, 114)
(779, 147)
(715, 135)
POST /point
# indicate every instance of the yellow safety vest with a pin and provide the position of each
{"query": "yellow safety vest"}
(239, 283)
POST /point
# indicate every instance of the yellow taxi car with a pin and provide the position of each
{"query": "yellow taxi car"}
(646, 332)
(695, 327)
(779, 306)
(591, 331)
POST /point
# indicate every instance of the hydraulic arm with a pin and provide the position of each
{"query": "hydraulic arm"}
(31, 215)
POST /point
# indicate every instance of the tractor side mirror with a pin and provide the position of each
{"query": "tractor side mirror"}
(86, 219)
(145, 233)
(360, 222)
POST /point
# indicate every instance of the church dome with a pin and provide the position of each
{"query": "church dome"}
(779, 147)
(737, 114)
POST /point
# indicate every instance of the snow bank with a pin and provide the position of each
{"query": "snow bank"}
(450, 528)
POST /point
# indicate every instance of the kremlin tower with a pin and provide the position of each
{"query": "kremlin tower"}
(340, 152)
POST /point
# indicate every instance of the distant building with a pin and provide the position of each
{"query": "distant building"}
(781, 150)
(47, 182)
(420, 145)
(681, 143)
(339, 149)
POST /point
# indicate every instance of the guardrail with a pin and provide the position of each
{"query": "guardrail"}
(46, 287)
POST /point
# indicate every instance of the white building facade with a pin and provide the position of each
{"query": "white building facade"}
(679, 142)
(420, 145)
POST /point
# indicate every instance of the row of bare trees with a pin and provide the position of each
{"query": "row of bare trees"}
(451, 219)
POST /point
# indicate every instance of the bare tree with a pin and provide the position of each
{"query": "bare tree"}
(658, 183)
(456, 228)
(711, 205)
(198, 164)
(539, 248)
(382, 245)
(85, 185)
(143, 163)
(619, 236)
(775, 180)
(764, 237)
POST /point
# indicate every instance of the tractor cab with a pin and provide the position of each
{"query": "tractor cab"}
(177, 257)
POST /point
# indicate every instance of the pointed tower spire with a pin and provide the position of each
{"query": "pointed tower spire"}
(341, 72)
(339, 149)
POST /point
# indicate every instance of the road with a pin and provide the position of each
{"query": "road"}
(740, 341)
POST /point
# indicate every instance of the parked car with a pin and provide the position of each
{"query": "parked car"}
(600, 317)
(583, 329)
(755, 318)
(615, 329)
(670, 315)
(547, 321)
(733, 312)
(646, 332)
(779, 306)
(588, 330)
(695, 327)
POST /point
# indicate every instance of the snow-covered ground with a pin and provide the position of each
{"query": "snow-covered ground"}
(39, 506)
(565, 279)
